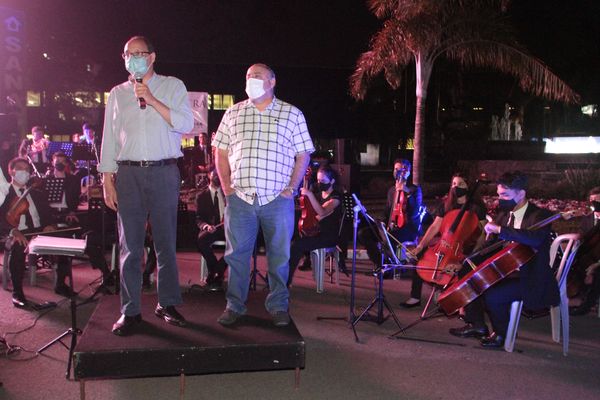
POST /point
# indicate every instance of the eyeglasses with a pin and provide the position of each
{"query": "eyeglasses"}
(135, 54)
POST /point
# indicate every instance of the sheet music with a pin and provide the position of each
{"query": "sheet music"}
(57, 246)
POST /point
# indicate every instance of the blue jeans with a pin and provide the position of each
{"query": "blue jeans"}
(143, 192)
(242, 221)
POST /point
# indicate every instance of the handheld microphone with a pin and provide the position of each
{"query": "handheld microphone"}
(141, 100)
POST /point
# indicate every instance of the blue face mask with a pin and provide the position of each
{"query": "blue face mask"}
(136, 66)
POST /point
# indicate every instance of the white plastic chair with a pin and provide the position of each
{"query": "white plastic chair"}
(203, 267)
(317, 259)
(560, 314)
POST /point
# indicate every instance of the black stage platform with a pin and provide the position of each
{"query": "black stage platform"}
(203, 347)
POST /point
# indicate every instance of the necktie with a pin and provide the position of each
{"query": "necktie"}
(28, 219)
(216, 205)
(511, 220)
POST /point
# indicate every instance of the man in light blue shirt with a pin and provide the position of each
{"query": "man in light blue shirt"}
(145, 117)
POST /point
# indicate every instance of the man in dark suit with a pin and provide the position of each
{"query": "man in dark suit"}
(210, 205)
(38, 218)
(534, 282)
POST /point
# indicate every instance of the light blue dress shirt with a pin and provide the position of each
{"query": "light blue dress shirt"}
(133, 134)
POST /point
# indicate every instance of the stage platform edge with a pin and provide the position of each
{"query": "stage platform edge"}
(202, 347)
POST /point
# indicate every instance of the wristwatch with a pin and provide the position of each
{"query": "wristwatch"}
(291, 189)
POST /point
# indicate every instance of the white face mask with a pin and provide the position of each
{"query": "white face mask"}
(22, 177)
(254, 88)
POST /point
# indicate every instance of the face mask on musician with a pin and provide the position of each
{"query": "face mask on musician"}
(323, 187)
(596, 205)
(136, 66)
(215, 181)
(507, 205)
(459, 191)
(60, 167)
(22, 177)
(255, 88)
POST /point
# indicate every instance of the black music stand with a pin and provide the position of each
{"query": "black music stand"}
(64, 147)
(387, 254)
(55, 188)
(73, 331)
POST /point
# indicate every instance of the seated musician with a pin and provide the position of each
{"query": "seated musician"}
(326, 201)
(587, 262)
(36, 149)
(210, 206)
(65, 212)
(411, 208)
(534, 282)
(454, 200)
(37, 218)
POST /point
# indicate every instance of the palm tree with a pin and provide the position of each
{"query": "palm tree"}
(473, 33)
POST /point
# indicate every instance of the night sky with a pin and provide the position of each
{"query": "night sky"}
(201, 42)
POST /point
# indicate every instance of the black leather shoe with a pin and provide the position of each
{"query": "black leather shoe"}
(125, 325)
(170, 315)
(468, 331)
(215, 286)
(229, 317)
(492, 341)
(19, 300)
(64, 290)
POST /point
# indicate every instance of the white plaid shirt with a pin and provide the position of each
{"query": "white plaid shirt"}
(262, 147)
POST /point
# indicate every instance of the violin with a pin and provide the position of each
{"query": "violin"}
(19, 205)
(439, 263)
(308, 225)
(397, 213)
(512, 257)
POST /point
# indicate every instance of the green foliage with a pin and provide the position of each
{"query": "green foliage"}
(579, 181)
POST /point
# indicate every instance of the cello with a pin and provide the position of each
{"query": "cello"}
(440, 263)
(308, 225)
(512, 257)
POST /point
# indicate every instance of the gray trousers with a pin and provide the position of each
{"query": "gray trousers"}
(143, 192)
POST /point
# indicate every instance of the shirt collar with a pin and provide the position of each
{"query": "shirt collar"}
(272, 104)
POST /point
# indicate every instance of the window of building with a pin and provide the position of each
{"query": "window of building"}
(34, 99)
(220, 101)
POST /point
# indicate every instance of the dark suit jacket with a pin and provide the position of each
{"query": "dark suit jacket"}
(205, 210)
(538, 284)
(40, 199)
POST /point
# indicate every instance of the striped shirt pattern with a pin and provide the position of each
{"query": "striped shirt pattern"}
(262, 147)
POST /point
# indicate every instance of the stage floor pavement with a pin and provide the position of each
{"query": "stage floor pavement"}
(336, 367)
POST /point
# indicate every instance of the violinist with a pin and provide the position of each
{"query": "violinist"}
(326, 201)
(36, 216)
(588, 260)
(410, 207)
(534, 283)
(456, 197)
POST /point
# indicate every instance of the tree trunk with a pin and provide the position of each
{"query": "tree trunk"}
(423, 69)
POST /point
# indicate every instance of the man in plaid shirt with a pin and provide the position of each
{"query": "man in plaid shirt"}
(263, 150)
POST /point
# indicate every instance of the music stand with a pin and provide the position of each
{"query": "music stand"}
(55, 188)
(387, 254)
(47, 245)
(64, 147)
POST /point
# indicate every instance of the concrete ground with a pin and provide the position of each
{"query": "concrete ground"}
(427, 363)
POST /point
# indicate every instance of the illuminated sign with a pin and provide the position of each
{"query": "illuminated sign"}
(572, 145)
